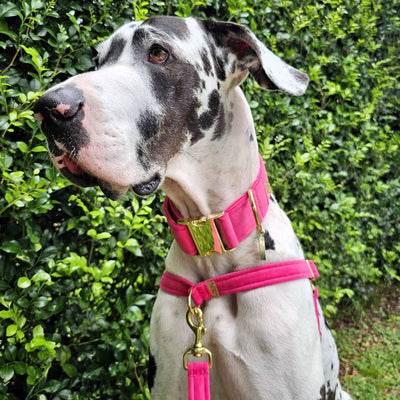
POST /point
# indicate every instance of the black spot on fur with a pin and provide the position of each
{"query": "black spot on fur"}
(251, 135)
(148, 125)
(177, 93)
(195, 130)
(220, 125)
(206, 62)
(151, 371)
(269, 242)
(172, 26)
(141, 155)
(220, 68)
(180, 106)
(322, 392)
(139, 37)
(207, 119)
(233, 67)
(115, 50)
(327, 393)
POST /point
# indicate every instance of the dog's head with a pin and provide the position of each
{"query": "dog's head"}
(157, 90)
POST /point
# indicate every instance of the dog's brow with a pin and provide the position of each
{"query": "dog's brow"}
(140, 36)
(115, 50)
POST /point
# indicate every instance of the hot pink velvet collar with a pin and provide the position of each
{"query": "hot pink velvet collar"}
(235, 224)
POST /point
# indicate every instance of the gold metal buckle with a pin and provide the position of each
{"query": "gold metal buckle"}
(198, 350)
(205, 234)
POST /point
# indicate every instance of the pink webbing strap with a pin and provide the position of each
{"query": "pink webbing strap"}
(234, 225)
(239, 281)
(315, 295)
(198, 380)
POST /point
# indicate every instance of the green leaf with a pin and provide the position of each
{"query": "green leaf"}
(63, 354)
(41, 302)
(3, 285)
(24, 282)
(37, 4)
(20, 368)
(6, 160)
(39, 149)
(41, 276)
(11, 353)
(11, 246)
(11, 330)
(103, 235)
(70, 370)
(9, 9)
(35, 56)
(130, 296)
(6, 373)
(92, 233)
(38, 331)
(108, 267)
(6, 314)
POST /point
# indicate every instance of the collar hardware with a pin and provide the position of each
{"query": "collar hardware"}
(206, 235)
(260, 229)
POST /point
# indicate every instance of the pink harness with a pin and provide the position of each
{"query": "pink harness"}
(222, 232)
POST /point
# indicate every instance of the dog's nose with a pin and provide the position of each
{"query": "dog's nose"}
(59, 106)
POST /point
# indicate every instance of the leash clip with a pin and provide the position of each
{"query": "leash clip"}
(198, 350)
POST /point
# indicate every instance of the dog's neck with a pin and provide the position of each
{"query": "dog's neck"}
(207, 177)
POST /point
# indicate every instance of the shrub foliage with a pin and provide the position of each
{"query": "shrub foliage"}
(78, 272)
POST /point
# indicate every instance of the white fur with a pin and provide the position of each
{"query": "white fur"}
(265, 342)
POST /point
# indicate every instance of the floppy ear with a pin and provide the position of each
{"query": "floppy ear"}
(269, 70)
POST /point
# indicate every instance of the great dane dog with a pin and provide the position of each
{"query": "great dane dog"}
(164, 110)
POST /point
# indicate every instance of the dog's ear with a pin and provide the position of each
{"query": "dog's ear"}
(269, 70)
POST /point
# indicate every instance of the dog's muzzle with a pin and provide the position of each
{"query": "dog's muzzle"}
(62, 112)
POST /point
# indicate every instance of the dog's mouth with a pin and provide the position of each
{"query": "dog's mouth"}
(75, 172)
(71, 169)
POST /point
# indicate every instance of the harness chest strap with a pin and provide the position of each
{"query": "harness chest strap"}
(239, 281)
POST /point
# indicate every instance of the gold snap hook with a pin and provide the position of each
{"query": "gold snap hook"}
(199, 330)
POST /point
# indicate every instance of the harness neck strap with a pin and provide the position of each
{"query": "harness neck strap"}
(223, 231)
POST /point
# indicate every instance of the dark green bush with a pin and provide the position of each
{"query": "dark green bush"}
(78, 272)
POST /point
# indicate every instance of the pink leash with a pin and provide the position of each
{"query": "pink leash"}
(199, 381)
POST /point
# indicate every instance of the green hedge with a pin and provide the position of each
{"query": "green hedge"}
(78, 272)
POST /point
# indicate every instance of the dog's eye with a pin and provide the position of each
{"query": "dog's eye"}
(158, 55)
